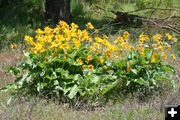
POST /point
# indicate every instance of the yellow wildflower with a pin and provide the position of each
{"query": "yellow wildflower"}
(13, 46)
(173, 57)
(154, 58)
(63, 25)
(129, 64)
(106, 43)
(96, 45)
(79, 33)
(28, 39)
(73, 34)
(115, 41)
(91, 67)
(92, 49)
(125, 35)
(67, 35)
(112, 48)
(89, 58)
(79, 61)
(127, 46)
(74, 26)
(168, 36)
(85, 36)
(101, 60)
(98, 39)
(59, 38)
(39, 31)
(143, 38)
(168, 47)
(89, 26)
(174, 39)
(141, 51)
(161, 48)
(157, 37)
(84, 67)
(53, 45)
(108, 53)
(164, 55)
(77, 43)
(48, 30)
(65, 46)
(56, 30)
(38, 48)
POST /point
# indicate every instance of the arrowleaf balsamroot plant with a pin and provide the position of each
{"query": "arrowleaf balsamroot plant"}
(66, 62)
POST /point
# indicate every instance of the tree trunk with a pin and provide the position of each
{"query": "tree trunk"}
(57, 10)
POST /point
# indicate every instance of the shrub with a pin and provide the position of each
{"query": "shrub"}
(144, 66)
(63, 62)
(66, 62)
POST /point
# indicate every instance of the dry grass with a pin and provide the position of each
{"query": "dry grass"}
(9, 58)
(41, 110)
(38, 109)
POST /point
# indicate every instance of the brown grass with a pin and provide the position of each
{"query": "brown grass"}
(9, 58)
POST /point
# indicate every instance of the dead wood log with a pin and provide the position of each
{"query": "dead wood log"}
(171, 23)
(125, 18)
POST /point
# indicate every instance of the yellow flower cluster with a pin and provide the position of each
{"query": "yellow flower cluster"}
(68, 38)
(62, 37)
(161, 46)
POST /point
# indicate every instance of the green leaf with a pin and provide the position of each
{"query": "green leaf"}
(128, 82)
(64, 73)
(71, 61)
(14, 71)
(73, 92)
(40, 86)
(108, 87)
(9, 87)
(23, 79)
(139, 81)
(134, 71)
(161, 77)
(95, 79)
(121, 63)
(167, 68)
(148, 54)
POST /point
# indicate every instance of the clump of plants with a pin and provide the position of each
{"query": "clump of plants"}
(66, 62)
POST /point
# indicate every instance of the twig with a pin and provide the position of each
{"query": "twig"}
(106, 26)
(170, 28)
(163, 26)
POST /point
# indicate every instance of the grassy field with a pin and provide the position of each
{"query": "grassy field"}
(128, 107)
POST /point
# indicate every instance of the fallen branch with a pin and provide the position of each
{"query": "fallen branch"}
(170, 27)
(125, 18)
